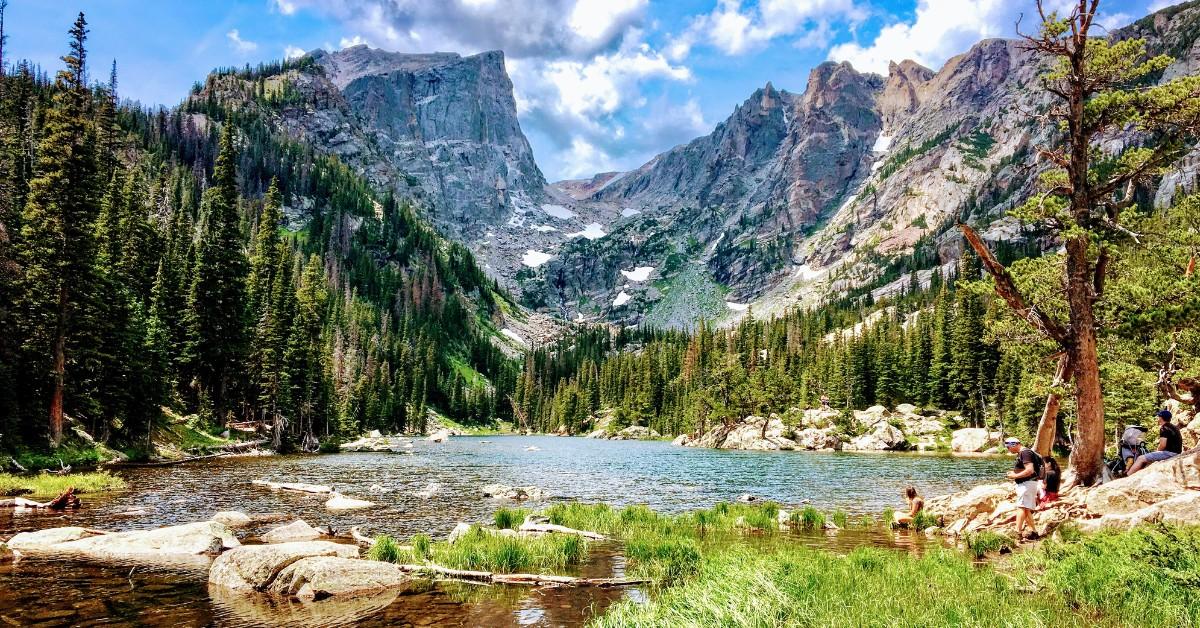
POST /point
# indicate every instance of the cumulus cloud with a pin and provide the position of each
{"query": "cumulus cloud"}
(242, 46)
(286, 7)
(292, 52)
(350, 42)
(943, 28)
(736, 30)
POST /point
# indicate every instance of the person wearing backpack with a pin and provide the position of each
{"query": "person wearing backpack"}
(1026, 472)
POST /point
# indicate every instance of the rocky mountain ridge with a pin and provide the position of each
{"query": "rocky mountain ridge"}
(848, 187)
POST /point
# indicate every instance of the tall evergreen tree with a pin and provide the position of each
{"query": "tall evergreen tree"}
(217, 301)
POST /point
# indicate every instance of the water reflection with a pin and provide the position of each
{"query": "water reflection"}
(670, 479)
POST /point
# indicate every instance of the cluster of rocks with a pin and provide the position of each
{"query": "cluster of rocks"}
(1167, 491)
(633, 432)
(515, 493)
(819, 429)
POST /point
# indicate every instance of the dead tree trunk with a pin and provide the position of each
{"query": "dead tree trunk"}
(1047, 427)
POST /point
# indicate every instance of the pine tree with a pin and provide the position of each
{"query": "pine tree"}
(57, 241)
(217, 301)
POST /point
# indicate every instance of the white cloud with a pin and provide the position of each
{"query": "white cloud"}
(941, 28)
(242, 46)
(580, 68)
(292, 52)
(286, 7)
(1159, 5)
(736, 30)
(350, 42)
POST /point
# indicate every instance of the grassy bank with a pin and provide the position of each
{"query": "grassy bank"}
(47, 485)
(735, 565)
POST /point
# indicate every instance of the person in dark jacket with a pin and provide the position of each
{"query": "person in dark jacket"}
(1051, 482)
(1170, 443)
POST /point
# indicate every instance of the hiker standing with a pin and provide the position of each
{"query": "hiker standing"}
(1025, 472)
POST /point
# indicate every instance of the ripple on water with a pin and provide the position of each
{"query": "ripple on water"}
(670, 479)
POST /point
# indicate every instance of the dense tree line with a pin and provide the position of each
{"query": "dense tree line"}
(195, 258)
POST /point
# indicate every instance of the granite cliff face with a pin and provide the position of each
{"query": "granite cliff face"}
(850, 187)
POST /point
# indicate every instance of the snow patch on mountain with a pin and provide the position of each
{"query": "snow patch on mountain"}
(558, 211)
(622, 298)
(533, 258)
(641, 273)
(592, 231)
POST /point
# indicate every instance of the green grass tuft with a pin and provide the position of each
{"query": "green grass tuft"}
(811, 519)
(385, 549)
(840, 518)
(421, 544)
(510, 518)
(48, 485)
(983, 543)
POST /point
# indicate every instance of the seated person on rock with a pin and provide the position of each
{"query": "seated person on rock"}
(1050, 483)
(915, 504)
(1170, 443)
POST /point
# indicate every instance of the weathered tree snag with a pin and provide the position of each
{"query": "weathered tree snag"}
(1044, 443)
(550, 528)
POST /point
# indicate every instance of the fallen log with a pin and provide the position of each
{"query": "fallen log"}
(297, 487)
(66, 499)
(250, 444)
(550, 528)
(487, 577)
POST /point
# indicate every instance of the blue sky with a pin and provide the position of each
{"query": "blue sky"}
(600, 84)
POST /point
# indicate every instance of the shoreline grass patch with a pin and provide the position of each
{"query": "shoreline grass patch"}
(46, 484)
(486, 550)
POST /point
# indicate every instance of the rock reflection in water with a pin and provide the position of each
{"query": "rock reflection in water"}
(669, 479)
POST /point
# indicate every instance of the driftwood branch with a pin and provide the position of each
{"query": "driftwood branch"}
(550, 528)
(487, 577)
(1007, 289)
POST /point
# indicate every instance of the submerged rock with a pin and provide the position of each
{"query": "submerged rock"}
(45, 538)
(504, 491)
(253, 567)
(168, 545)
(321, 577)
(297, 530)
(340, 503)
(232, 518)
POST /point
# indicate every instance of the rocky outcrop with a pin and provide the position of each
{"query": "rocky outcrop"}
(883, 436)
(379, 444)
(232, 519)
(297, 530)
(254, 567)
(973, 439)
(814, 439)
(171, 545)
(1156, 483)
(321, 577)
(752, 433)
(633, 432)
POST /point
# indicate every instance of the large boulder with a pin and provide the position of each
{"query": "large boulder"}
(253, 567)
(232, 519)
(636, 432)
(297, 530)
(819, 417)
(1190, 430)
(882, 437)
(981, 500)
(439, 436)
(870, 416)
(814, 439)
(973, 439)
(170, 545)
(1156, 483)
(40, 539)
(322, 577)
(752, 433)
